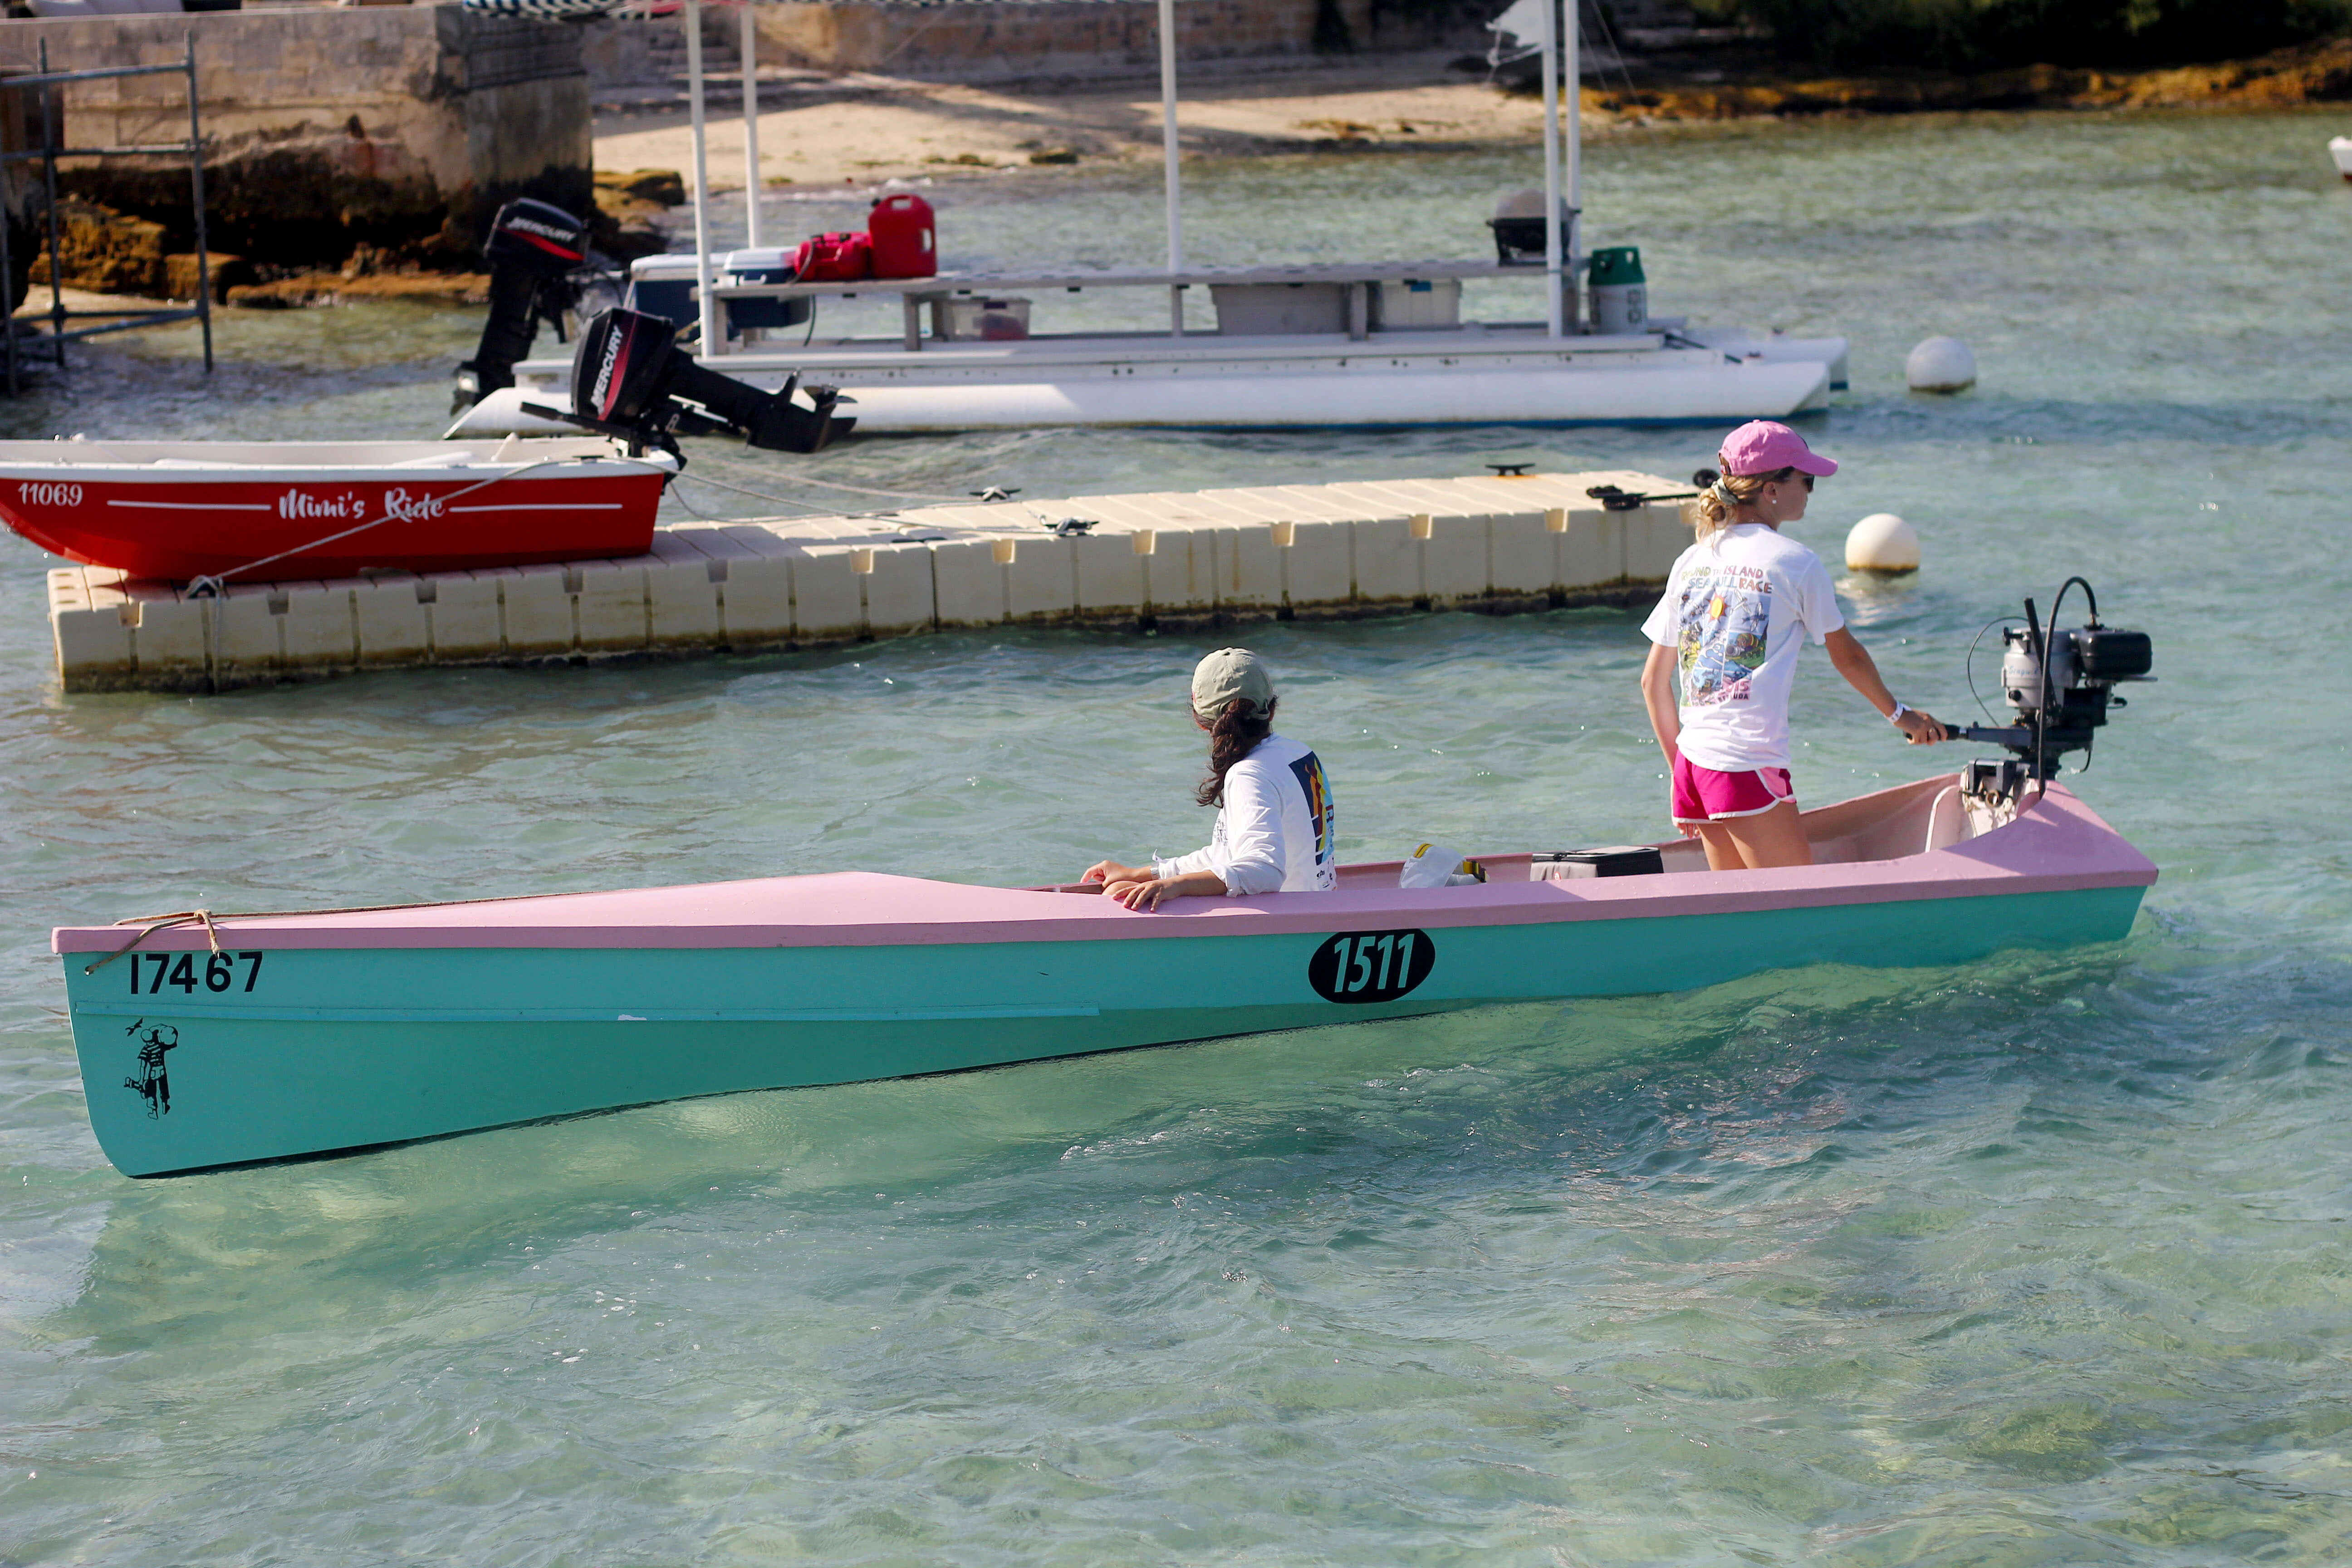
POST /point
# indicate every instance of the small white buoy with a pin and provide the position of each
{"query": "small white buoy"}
(1940, 364)
(1882, 543)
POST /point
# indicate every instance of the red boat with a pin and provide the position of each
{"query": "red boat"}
(268, 511)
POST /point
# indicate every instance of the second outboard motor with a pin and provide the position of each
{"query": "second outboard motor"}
(629, 377)
(533, 251)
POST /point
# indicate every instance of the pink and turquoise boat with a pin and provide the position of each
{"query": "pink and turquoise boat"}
(228, 1039)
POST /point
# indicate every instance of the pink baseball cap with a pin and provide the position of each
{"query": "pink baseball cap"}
(1766, 446)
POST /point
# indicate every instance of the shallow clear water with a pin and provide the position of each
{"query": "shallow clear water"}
(2029, 1262)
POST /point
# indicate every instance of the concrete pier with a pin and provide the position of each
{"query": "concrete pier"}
(1171, 560)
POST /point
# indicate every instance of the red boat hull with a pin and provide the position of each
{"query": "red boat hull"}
(192, 525)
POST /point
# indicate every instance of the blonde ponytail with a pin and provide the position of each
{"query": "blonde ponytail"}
(1716, 502)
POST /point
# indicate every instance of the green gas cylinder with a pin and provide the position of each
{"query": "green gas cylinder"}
(1620, 294)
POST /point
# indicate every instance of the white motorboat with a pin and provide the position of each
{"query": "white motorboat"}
(1374, 343)
(1473, 372)
(2340, 149)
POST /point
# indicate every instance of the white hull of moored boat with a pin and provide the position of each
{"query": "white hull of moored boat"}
(1326, 399)
(1469, 378)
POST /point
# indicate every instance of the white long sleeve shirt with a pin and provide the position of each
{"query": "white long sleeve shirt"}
(1274, 832)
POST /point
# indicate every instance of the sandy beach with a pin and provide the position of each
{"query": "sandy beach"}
(862, 129)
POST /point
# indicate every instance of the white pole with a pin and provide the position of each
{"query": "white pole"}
(1574, 88)
(1168, 146)
(711, 343)
(1552, 322)
(750, 128)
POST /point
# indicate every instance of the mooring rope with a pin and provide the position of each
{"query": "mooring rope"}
(153, 924)
(836, 484)
(755, 495)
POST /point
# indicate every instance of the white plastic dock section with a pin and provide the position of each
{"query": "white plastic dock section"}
(1175, 560)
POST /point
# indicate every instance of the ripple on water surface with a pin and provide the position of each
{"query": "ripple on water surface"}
(2037, 1261)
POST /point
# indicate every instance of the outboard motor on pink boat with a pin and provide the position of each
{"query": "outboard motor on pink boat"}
(2061, 684)
(538, 255)
(630, 379)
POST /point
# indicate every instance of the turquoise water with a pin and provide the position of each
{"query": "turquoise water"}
(2033, 1262)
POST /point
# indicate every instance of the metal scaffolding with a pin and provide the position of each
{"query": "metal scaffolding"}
(193, 149)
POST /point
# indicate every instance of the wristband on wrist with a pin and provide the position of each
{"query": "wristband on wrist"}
(1896, 717)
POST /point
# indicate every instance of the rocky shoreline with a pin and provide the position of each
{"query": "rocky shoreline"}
(101, 251)
(2288, 78)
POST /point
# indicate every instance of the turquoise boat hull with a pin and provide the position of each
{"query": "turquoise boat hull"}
(363, 1034)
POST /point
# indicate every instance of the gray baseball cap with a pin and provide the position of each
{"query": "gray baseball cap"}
(1228, 673)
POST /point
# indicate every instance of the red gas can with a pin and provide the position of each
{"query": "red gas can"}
(903, 244)
(834, 258)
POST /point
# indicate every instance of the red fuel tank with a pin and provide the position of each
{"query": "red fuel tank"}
(903, 242)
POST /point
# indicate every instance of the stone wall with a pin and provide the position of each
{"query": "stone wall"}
(981, 39)
(397, 127)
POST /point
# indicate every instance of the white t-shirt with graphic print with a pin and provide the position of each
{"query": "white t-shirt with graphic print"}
(1274, 833)
(1737, 609)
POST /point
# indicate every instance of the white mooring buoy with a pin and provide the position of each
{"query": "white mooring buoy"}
(1940, 364)
(1882, 543)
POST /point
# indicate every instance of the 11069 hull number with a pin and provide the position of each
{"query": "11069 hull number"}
(1371, 966)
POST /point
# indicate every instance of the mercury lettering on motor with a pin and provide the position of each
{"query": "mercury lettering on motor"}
(154, 1083)
(1371, 966)
(218, 971)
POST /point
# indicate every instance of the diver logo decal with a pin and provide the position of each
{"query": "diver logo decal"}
(154, 1083)
(1371, 966)
(1726, 615)
(1309, 770)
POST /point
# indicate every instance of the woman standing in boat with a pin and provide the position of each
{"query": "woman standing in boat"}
(1738, 604)
(1274, 832)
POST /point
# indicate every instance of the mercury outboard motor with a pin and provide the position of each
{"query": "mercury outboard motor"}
(630, 379)
(534, 251)
(2060, 683)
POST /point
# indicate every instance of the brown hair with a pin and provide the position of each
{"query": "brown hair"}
(1234, 735)
(1714, 512)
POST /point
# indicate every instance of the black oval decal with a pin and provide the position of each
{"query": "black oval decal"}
(1371, 966)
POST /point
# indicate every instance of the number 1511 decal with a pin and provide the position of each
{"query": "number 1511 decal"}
(1371, 966)
(188, 972)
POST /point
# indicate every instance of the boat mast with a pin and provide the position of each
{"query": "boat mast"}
(709, 306)
(1572, 84)
(1167, 148)
(1552, 236)
(751, 48)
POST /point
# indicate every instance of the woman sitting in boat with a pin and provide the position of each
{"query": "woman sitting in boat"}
(1274, 832)
(1738, 604)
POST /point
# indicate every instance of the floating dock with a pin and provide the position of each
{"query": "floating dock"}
(1173, 560)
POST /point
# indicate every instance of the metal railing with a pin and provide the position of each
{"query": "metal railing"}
(60, 334)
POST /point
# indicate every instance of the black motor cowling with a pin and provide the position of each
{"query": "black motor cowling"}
(535, 250)
(629, 376)
(2061, 683)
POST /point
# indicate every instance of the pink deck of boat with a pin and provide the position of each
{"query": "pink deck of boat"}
(1872, 849)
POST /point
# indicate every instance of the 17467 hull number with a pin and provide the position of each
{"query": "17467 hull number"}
(188, 972)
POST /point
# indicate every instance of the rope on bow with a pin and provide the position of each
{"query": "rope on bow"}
(153, 924)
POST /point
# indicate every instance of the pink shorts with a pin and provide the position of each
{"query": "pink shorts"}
(1703, 794)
